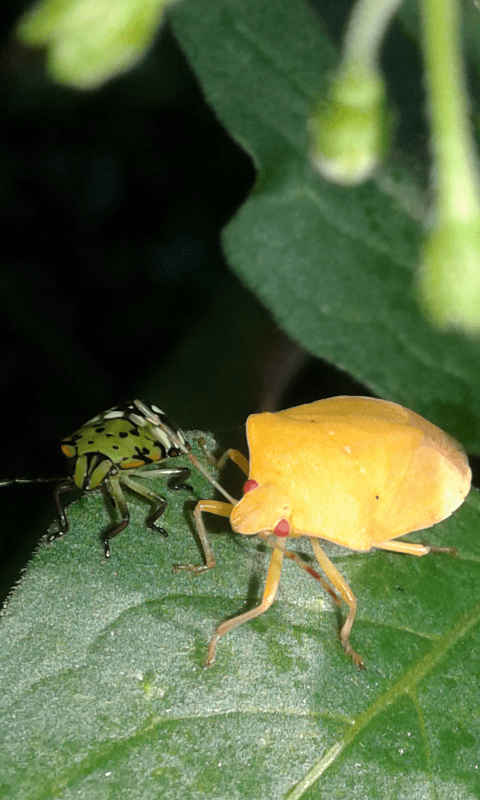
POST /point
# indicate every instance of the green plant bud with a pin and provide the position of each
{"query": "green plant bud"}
(351, 125)
(91, 41)
(449, 277)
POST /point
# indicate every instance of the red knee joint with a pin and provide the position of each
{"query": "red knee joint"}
(282, 528)
(249, 485)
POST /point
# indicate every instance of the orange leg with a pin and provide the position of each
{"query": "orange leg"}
(242, 462)
(214, 507)
(237, 458)
(271, 586)
(224, 510)
(233, 455)
(342, 586)
(273, 541)
(413, 549)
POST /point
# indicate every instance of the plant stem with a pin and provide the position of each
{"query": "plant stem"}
(365, 30)
(455, 159)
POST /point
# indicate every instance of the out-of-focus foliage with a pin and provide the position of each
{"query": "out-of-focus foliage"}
(90, 42)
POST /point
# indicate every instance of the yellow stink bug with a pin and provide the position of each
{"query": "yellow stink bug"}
(356, 471)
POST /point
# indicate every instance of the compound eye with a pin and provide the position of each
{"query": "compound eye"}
(282, 528)
(249, 485)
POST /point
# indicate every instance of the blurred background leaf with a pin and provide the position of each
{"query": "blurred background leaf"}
(335, 266)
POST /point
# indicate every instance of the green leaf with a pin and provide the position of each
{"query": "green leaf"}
(335, 266)
(104, 694)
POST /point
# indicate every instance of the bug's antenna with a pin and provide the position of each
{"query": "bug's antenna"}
(155, 420)
(11, 481)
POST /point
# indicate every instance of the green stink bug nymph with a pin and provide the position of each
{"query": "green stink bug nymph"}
(112, 452)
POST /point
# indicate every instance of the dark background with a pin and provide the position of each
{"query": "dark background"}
(111, 205)
(112, 280)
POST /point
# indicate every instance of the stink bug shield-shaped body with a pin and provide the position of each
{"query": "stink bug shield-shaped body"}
(356, 471)
(160, 425)
(115, 451)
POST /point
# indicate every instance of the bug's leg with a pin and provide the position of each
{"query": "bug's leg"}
(178, 480)
(236, 457)
(217, 507)
(61, 488)
(177, 476)
(157, 502)
(233, 455)
(272, 542)
(113, 491)
(342, 586)
(271, 586)
(213, 507)
(206, 452)
(414, 549)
